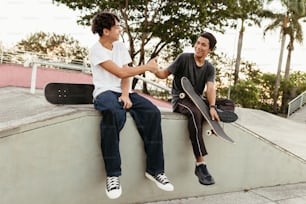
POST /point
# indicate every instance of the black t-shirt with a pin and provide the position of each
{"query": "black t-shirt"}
(185, 65)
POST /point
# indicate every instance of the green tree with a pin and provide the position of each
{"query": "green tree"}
(290, 25)
(246, 94)
(298, 80)
(295, 33)
(247, 13)
(156, 23)
(266, 86)
(151, 26)
(294, 85)
(58, 47)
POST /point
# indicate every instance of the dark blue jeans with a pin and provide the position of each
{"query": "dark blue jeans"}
(148, 122)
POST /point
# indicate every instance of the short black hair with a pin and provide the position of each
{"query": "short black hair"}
(103, 20)
(211, 38)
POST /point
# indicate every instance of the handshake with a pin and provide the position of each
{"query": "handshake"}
(152, 65)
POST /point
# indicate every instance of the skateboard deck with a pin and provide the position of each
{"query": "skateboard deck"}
(200, 104)
(69, 93)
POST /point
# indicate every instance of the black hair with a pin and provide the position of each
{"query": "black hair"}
(103, 20)
(211, 38)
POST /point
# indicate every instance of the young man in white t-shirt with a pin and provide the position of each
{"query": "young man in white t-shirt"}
(113, 98)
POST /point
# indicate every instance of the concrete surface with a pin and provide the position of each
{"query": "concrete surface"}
(45, 157)
(299, 115)
(285, 194)
(288, 134)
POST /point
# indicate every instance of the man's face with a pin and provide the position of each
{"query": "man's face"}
(115, 31)
(201, 47)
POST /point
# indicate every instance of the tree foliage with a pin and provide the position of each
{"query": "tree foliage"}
(53, 45)
(289, 24)
(157, 24)
(164, 27)
(246, 13)
(255, 89)
(153, 26)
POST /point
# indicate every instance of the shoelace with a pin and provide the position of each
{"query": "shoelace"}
(112, 183)
(162, 179)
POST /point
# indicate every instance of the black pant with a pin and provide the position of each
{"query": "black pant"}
(195, 122)
(148, 121)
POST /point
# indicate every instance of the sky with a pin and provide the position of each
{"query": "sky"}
(19, 19)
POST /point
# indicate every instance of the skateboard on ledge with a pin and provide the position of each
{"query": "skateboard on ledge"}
(69, 93)
(216, 129)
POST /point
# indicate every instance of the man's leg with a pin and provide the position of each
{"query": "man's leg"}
(195, 122)
(148, 121)
(113, 119)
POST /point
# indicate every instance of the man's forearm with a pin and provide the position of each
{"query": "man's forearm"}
(125, 86)
(211, 94)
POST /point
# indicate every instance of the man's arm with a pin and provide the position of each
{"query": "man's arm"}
(126, 71)
(125, 87)
(211, 97)
(162, 73)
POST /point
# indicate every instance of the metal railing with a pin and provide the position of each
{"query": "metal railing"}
(37, 62)
(34, 60)
(24, 57)
(296, 103)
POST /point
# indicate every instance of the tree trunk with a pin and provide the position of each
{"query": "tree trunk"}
(286, 92)
(239, 50)
(278, 74)
(279, 67)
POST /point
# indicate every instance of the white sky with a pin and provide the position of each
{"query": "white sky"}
(19, 19)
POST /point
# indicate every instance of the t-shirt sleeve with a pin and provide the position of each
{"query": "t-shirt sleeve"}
(211, 73)
(97, 55)
(174, 67)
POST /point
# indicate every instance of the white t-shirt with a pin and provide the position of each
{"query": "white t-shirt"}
(102, 79)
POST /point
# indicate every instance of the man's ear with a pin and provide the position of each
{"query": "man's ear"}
(105, 31)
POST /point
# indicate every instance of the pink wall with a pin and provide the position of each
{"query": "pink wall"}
(17, 75)
(20, 76)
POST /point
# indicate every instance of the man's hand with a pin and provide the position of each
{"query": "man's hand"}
(127, 103)
(153, 65)
(213, 113)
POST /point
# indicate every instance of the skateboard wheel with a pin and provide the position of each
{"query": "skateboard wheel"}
(182, 95)
(209, 132)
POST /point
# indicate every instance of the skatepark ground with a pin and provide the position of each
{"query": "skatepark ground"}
(18, 107)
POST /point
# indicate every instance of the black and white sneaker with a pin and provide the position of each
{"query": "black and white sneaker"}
(161, 181)
(113, 188)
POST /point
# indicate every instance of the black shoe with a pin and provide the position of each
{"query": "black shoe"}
(204, 177)
(227, 116)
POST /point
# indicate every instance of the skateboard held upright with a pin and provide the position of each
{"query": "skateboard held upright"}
(200, 104)
(68, 93)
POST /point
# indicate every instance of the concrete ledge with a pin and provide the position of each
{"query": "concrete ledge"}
(58, 160)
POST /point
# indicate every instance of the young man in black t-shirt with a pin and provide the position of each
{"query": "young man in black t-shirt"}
(201, 74)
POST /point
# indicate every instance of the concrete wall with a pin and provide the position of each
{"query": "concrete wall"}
(58, 160)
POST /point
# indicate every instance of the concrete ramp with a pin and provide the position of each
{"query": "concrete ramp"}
(287, 134)
(57, 158)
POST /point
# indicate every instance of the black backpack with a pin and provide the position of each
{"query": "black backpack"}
(225, 104)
